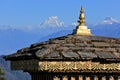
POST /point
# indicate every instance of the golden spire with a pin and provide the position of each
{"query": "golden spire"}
(82, 17)
(81, 29)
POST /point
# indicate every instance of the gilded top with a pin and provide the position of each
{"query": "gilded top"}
(81, 29)
(82, 17)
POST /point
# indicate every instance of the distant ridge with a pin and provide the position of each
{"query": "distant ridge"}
(12, 75)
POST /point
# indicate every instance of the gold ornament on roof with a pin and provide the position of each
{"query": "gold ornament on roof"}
(82, 17)
(81, 29)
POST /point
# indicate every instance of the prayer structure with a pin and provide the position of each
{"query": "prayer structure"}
(79, 56)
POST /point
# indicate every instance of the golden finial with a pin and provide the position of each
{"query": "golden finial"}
(82, 17)
(82, 9)
(81, 28)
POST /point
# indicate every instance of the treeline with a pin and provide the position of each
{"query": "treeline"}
(2, 73)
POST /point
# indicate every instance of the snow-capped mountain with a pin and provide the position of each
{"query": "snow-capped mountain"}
(52, 21)
(110, 20)
(23, 36)
(108, 27)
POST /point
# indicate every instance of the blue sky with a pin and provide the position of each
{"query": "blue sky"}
(33, 12)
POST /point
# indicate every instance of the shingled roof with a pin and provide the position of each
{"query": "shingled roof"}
(72, 47)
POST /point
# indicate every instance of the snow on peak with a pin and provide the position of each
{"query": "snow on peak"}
(110, 20)
(52, 21)
(75, 24)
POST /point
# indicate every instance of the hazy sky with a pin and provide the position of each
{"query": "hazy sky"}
(33, 12)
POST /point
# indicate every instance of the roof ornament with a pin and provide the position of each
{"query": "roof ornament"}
(81, 29)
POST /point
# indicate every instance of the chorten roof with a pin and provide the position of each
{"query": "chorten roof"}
(72, 47)
(79, 46)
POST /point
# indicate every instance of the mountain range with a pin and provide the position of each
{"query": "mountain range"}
(13, 38)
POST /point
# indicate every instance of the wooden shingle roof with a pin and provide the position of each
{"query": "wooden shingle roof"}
(72, 47)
